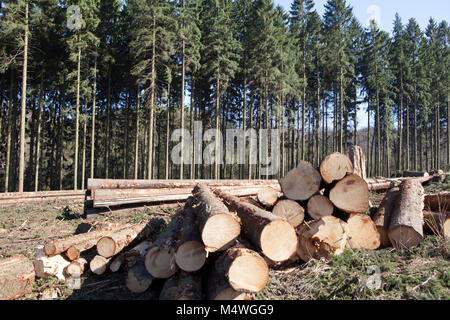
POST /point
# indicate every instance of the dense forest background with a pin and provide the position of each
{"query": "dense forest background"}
(102, 100)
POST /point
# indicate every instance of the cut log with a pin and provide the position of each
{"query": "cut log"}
(273, 235)
(335, 166)
(190, 255)
(437, 223)
(439, 202)
(319, 206)
(321, 238)
(267, 196)
(82, 241)
(358, 160)
(362, 233)
(117, 262)
(382, 217)
(170, 288)
(99, 264)
(133, 255)
(49, 266)
(301, 183)
(218, 288)
(160, 258)
(351, 194)
(406, 227)
(219, 227)
(291, 210)
(16, 277)
(244, 268)
(189, 286)
(113, 244)
(138, 279)
(415, 174)
(75, 268)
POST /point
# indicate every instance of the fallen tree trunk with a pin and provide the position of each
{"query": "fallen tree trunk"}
(267, 196)
(291, 210)
(219, 227)
(190, 255)
(335, 166)
(362, 232)
(415, 174)
(273, 235)
(189, 286)
(49, 266)
(245, 269)
(382, 217)
(351, 194)
(138, 279)
(75, 268)
(218, 288)
(406, 227)
(16, 277)
(133, 255)
(117, 262)
(437, 223)
(319, 206)
(385, 184)
(321, 238)
(301, 183)
(358, 160)
(99, 264)
(439, 202)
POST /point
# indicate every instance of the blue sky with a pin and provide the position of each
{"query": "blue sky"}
(385, 9)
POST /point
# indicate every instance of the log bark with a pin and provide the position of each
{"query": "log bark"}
(49, 266)
(75, 268)
(99, 264)
(190, 255)
(117, 262)
(321, 238)
(437, 223)
(362, 233)
(382, 217)
(351, 194)
(406, 227)
(219, 228)
(272, 234)
(245, 269)
(291, 210)
(358, 160)
(138, 279)
(218, 288)
(439, 202)
(160, 258)
(319, 206)
(301, 183)
(16, 277)
(189, 286)
(133, 255)
(335, 166)
(267, 196)
(170, 288)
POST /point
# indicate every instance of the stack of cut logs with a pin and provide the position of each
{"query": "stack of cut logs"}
(221, 246)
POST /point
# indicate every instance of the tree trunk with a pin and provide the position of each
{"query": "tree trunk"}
(83, 155)
(38, 139)
(99, 265)
(301, 183)
(319, 206)
(16, 277)
(138, 279)
(75, 161)
(75, 268)
(362, 232)
(335, 166)
(291, 210)
(94, 92)
(219, 288)
(351, 194)
(49, 266)
(358, 160)
(382, 217)
(136, 140)
(438, 202)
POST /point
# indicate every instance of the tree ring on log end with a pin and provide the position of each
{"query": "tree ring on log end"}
(161, 263)
(190, 256)
(220, 232)
(243, 280)
(278, 240)
(106, 247)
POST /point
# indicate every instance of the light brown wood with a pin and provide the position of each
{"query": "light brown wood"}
(321, 238)
(351, 194)
(99, 264)
(218, 288)
(219, 228)
(267, 196)
(138, 279)
(438, 202)
(49, 266)
(117, 262)
(134, 254)
(406, 226)
(319, 206)
(16, 277)
(301, 183)
(245, 269)
(75, 268)
(437, 223)
(362, 233)
(190, 254)
(382, 217)
(273, 235)
(335, 166)
(291, 210)
(358, 160)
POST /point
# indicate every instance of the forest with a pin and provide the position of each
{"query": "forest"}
(95, 88)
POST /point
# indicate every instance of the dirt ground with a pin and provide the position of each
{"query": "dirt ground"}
(421, 273)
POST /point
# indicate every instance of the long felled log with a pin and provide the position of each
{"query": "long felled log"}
(138, 279)
(362, 232)
(321, 238)
(319, 206)
(190, 255)
(335, 166)
(16, 277)
(351, 194)
(382, 184)
(439, 202)
(245, 269)
(382, 217)
(274, 235)
(134, 254)
(415, 174)
(218, 288)
(301, 183)
(219, 227)
(160, 257)
(49, 266)
(75, 268)
(406, 227)
(358, 160)
(182, 286)
(291, 210)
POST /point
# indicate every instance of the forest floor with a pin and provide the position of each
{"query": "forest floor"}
(421, 273)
